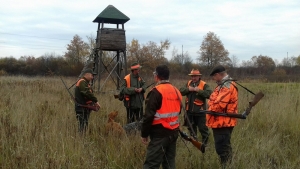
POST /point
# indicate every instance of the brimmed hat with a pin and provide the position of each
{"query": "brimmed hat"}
(89, 70)
(135, 65)
(217, 69)
(195, 72)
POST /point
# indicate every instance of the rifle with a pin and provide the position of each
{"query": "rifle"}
(91, 106)
(244, 115)
(196, 143)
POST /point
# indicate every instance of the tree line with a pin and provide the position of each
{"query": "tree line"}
(211, 53)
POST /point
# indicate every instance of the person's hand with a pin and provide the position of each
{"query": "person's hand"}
(98, 105)
(138, 90)
(145, 140)
(196, 89)
(191, 89)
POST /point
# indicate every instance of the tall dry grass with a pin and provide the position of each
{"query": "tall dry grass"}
(39, 130)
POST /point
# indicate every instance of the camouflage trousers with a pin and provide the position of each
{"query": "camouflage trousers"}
(223, 148)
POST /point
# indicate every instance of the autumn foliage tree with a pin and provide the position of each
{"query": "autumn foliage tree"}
(149, 55)
(77, 51)
(263, 64)
(212, 51)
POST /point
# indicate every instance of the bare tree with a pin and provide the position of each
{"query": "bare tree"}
(212, 51)
(289, 61)
(91, 43)
(181, 62)
(247, 63)
(298, 60)
(234, 61)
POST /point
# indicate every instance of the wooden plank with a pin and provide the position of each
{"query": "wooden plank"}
(112, 46)
(112, 40)
(112, 37)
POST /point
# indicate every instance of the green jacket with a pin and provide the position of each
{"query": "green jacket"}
(135, 99)
(83, 93)
(201, 95)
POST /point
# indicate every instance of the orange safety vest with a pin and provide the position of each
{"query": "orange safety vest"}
(168, 114)
(197, 102)
(127, 78)
(223, 99)
(77, 85)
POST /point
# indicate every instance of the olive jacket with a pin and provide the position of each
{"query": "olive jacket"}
(191, 96)
(135, 99)
(83, 94)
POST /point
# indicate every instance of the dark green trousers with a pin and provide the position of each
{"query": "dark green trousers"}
(161, 151)
(200, 123)
(134, 115)
(223, 148)
(83, 119)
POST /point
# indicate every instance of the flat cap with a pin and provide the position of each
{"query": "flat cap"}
(217, 69)
(89, 70)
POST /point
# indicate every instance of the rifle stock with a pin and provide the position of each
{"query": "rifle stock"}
(93, 106)
(197, 144)
(255, 100)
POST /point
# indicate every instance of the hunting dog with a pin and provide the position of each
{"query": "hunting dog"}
(112, 127)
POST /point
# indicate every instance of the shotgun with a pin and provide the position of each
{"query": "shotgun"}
(91, 106)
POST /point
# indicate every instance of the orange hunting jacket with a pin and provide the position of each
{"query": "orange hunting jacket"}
(224, 99)
(168, 114)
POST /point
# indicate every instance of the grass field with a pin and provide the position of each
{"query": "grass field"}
(39, 130)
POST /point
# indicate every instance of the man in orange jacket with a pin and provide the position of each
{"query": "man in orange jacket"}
(160, 121)
(224, 99)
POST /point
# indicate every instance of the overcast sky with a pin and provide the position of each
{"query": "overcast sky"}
(246, 27)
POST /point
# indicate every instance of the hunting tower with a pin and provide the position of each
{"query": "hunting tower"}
(110, 39)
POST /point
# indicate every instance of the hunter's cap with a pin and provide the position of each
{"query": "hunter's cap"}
(135, 65)
(217, 69)
(89, 70)
(195, 72)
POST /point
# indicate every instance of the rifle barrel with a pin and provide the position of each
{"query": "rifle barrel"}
(234, 115)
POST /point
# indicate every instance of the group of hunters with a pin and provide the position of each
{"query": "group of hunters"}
(163, 105)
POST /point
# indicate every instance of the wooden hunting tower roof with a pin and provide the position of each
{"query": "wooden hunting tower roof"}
(111, 15)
